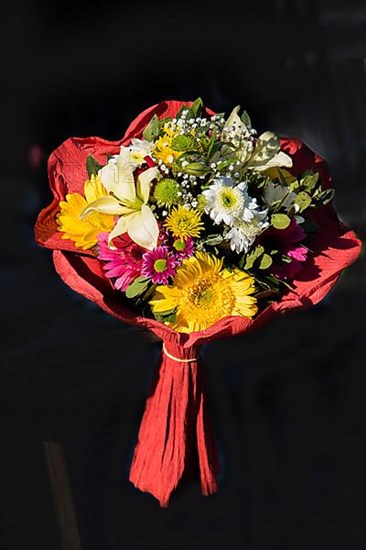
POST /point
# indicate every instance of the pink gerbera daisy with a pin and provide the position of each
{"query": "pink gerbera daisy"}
(158, 265)
(123, 264)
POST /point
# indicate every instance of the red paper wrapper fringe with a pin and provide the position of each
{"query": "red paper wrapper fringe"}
(175, 410)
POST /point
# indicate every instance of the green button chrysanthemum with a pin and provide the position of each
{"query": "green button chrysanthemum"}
(166, 192)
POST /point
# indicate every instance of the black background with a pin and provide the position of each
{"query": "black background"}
(287, 403)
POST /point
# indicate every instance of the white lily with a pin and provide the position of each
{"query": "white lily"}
(139, 149)
(267, 154)
(128, 199)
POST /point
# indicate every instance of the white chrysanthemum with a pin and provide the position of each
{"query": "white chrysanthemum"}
(139, 149)
(227, 202)
(243, 234)
(274, 193)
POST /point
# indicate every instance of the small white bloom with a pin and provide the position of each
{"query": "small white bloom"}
(243, 234)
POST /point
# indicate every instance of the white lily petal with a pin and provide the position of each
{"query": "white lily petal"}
(143, 228)
(105, 205)
(119, 229)
(281, 160)
(235, 120)
(143, 183)
(126, 182)
(109, 177)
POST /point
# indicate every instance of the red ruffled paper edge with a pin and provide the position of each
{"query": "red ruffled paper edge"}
(335, 246)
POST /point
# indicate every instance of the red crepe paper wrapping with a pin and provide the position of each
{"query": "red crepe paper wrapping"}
(175, 408)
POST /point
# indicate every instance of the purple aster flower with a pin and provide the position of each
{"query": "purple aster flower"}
(158, 265)
(183, 248)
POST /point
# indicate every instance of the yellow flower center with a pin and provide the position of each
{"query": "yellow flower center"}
(208, 299)
(179, 245)
(228, 198)
(160, 265)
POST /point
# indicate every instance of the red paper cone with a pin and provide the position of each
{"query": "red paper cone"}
(174, 413)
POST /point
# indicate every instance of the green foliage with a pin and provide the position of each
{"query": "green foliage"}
(280, 221)
(246, 119)
(303, 200)
(213, 240)
(92, 166)
(265, 261)
(167, 316)
(137, 287)
(197, 107)
(247, 261)
(151, 131)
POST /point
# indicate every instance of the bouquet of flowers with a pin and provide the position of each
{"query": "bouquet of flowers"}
(196, 227)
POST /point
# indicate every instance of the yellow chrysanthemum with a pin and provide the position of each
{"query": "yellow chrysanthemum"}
(163, 147)
(204, 292)
(84, 232)
(184, 223)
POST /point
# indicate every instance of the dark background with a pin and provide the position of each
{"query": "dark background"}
(287, 403)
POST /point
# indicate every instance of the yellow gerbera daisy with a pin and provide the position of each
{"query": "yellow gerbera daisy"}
(84, 232)
(163, 147)
(204, 292)
(184, 223)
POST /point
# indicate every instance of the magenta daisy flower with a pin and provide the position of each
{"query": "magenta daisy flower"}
(158, 265)
(183, 248)
(123, 264)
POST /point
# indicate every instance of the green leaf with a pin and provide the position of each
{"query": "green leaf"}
(303, 200)
(213, 240)
(310, 181)
(167, 316)
(265, 261)
(197, 106)
(151, 131)
(211, 143)
(246, 119)
(138, 286)
(280, 221)
(190, 113)
(248, 260)
(325, 196)
(223, 164)
(92, 166)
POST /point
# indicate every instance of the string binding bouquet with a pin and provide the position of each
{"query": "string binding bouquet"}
(194, 227)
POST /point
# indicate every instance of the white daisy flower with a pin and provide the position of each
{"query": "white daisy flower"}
(227, 202)
(243, 234)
